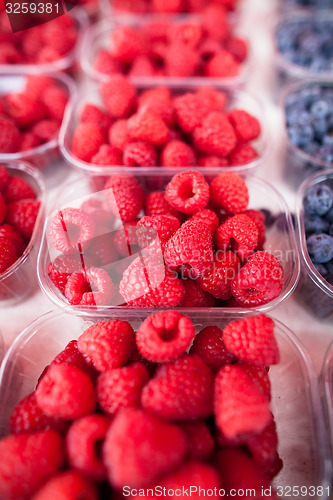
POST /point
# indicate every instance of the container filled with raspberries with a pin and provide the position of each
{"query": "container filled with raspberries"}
(169, 241)
(22, 200)
(166, 6)
(315, 238)
(121, 404)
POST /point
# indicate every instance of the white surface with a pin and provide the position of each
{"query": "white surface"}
(315, 335)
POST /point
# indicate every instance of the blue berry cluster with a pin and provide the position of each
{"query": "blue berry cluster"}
(309, 121)
(318, 225)
(307, 43)
(320, 4)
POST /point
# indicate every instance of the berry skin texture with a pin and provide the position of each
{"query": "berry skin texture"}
(195, 296)
(126, 44)
(190, 110)
(149, 127)
(118, 95)
(4, 178)
(243, 154)
(9, 135)
(200, 442)
(139, 154)
(121, 387)
(22, 215)
(107, 344)
(140, 446)
(241, 229)
(208, 217)
(70, 230)
(164, 225)
(223, 65)
(93, 114)
(259, 281)
(124, 196)
(239, 404)
(217, 280)
(18, 189)
(180, 390)
(31, 458)
(210, 346)
(246, 126)
(23, 109)
(320, 247)
(178, 154)
(107, 155)
(7, 254)
(66, 392)
(92, 287)
(62, 267)
(156, 204)
(87, 139)
(215, 136)
(229, 191)
(252, 340)
(68, 484)
(187, 192)
(165, 336)
(193, 472)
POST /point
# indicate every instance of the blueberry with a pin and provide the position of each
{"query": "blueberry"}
(321, 269)
(320, 109)
(330, 231)
(315, 224)
(311, 148)
(329, 266)
(320, 247)
(328, 139)
(329, 215)
(300, 135)
(269, 217)
(318, 200)
(319, 127)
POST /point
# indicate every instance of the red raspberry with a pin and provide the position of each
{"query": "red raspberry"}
(215, 22)
(107, 344)
(215, 136)
(190, 473)
(238, 48)
(93, 114)
(217, 280)
(180, 390)
(158, 101)
(190, 110)
(63, 266)
(178, 154)
(67, 484)
(200, 442)
(82, 441)
(165, 336)
(47, 55)
(101, 249)
(66, 392)
(259, 218)
(107, 155)
(139, 154)
(121, 387)
(259, 281)
(215, 99)
(212, 161)
(164, 225)
(118, 135)
(124, 196)
(142, 66)
(155, 204)
(95, 208)
(70, 230)
(243, 154)
(181, 60)
(252, 340)
(87, 139)
(31, 458)
(148, 127)
(153, 447)
(3, 209)
(246, 126)
(36, 85)
(23, 109)
(9, 54)
(4, 178)
(191, 244)
(126, 44)
(228, 191)
(186, 32)
(126, 239)
(29, 141)
(260, 376)
(167, 6)
(8, 232)
(22, 215)
(195, 296)
(241, 230)
(208, 217)
(119, 96)
(60, 35)
(72, 356)
(45, 130)
(222, 65)
(209, 345)
(18, 189)
(9, 135)
(239, 404)
(106, 64)
(148, 283)
(55, 100)
(92, 287)
(263, 447)
(188, 192)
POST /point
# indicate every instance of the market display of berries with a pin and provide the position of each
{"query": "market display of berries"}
(158, 127)
(169, 6)
(18, 213)
(192, 243)
(205, 46)
(159, 407)
(32, 116)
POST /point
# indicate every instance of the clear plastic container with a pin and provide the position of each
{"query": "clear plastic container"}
(327, 393)
(295, 396)
(42, 155)
(313, 290)
(280, 237)
(20, 279)
(90, 94)
(97, 37)
(67, 63)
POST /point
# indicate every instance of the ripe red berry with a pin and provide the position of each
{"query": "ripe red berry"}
(243, 154)
(118, 95)
(229, 191)
(215, 136)
(217, 280)
(210, 346)
(178, 154)
(222, 65)
(149, 127)
(246, 126)
(22, 215)
(124, 196)
(139, 154)
(188, 192)
(18, 189)
(70, 230)
(195, 296)
(87, 139)
(200, 442)
(241, 230)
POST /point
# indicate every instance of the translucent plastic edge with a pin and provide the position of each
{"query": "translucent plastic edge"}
(306, 262)
(79, 96)
(33, 172)
(48, 288)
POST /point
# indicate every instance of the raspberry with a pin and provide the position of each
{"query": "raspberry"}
(259, 281)
(149, 127)
(200, 442)
(70, 230)
(222, 65)
(228, 191)
(188, 33)
(215, 22)
(195, 296)
(22, 215)
(217, 280)
(148, 283)
(139, 154)
(4, 178)
(260, 376)
(31, 458)
(142, 66)
(121, 387)
(67, 484)
(18, 189)
(210, 346)
(29, 141)
(188, 192)
(105, 63)
(165, 336)
(140, 446)
(164, 225)
(92, 287)
(8, 232)
(23, 109)
(55, 100)
(246, 126)
(9, 54)
(72, 356)
(158, 101)
(82, 441)
(167, 6)
(124, 196)
(126, 44)
(60, 36)
(212, 161)
(118, 136)
(9, 135)
(239, 404)
(45, 130)
(208, 217)
(126, 239)
(95, 208)
(263, 446)
(107, 344)
(66, 392)
(243, 154)
(155, 204)
(180, 390)
(102, 250)
(259, 218)
(190, 473)
(47, 55)
(118, 96)
(36, 85)
(215, 136)
(191, 244)
(3, 209)
(178, 154)
(107, 155)
(63, 266)
(181, 60)
(87, 139)
(241, 230)
(93, 114)
(190, 110)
